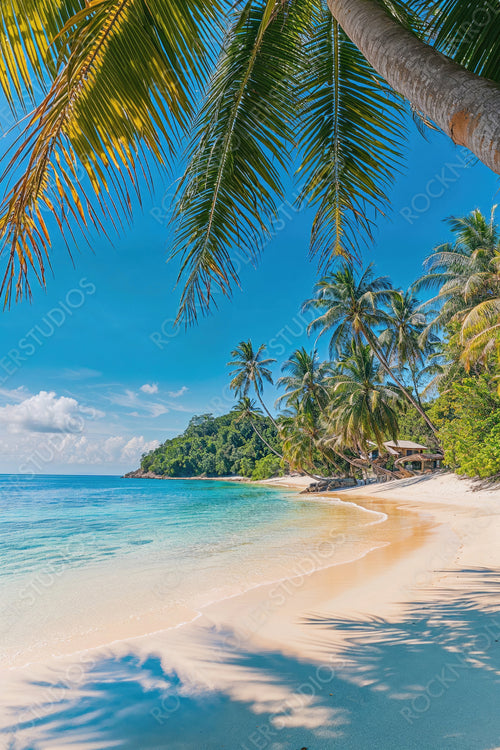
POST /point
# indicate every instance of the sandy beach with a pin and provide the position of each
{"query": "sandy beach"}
(396, 649)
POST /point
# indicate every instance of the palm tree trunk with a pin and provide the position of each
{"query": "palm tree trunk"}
(419, 400)
(465, 106)
(265, 441)
(266, 409)
(386, 366)
(334, 450)
(415, 387)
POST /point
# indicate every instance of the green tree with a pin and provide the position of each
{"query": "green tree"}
(468, 415)
(302, 443)
(305, 381)
(351, 308)
(364, 408)
(267, 467)
(250, 370)
(407, 352)
(466, 274)
(247, 410)
(214, 446)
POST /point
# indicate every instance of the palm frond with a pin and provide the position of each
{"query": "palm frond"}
(32, 44)
(351, 137)
(468, 31)
(122, 76)
(229, 193)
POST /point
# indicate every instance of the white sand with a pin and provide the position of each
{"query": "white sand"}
(397, 650)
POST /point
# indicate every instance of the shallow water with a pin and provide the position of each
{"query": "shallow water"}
(86, 560)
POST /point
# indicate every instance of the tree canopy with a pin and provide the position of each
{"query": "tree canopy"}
(216, 447)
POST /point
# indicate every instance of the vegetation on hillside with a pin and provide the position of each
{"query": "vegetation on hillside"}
(216, 447)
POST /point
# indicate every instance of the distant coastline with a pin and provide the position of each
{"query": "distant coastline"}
(141, 474)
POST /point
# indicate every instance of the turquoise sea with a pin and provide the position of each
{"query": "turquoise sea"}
(88, 559)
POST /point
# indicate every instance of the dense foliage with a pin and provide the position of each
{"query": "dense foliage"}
(469, 418)
(215, 447)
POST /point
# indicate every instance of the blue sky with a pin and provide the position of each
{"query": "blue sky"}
(97, 348)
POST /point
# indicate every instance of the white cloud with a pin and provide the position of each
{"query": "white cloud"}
(141, 408)
(15, 394)
(179, 393)
(149, 388)
(127, 398)
(81, 373)
(45, 433)
(27, 453)
(45, 412)
(157, 410)
(135, 447)
(152, 409)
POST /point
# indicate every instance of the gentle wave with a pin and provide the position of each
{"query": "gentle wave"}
(86, 556)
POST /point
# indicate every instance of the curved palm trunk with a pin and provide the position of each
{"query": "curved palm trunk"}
(415, 387)
(266, 409)
(350, 461)
(386, 366)
(419, 400)
(265, 441)
(334, 450)
(465, 106)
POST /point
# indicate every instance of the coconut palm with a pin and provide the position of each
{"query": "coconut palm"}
(115, 81)
(351, 310)
(248, 411)
(467, 274)
(350, 305)
(297, 433)
(250, 370)
(406, 351)
(306, 381)
(303, 442)
(480, 333)
(307, 395)
(364, 408)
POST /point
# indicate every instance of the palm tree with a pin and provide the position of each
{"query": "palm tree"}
(350, 307)
(364, 408)
(467, 274)
(480, 333)
(250, 370)
(307, 394)
(306, 381)
(402, 338)
(116, 81)
(303, 442)
(248, 411)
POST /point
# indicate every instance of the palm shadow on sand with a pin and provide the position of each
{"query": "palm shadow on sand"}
(429, 680)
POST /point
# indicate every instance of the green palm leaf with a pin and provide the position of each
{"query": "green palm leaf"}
(230, 190)
(32, 43)
(467, 31)
(364, 408)
(351, 136)
(122, 75)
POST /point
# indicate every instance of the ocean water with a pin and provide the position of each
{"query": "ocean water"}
(87, 560)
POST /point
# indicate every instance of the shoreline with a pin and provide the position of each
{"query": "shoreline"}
(81, 644)
(249, 656)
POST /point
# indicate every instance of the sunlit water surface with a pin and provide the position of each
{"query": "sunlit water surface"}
(87, 559)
